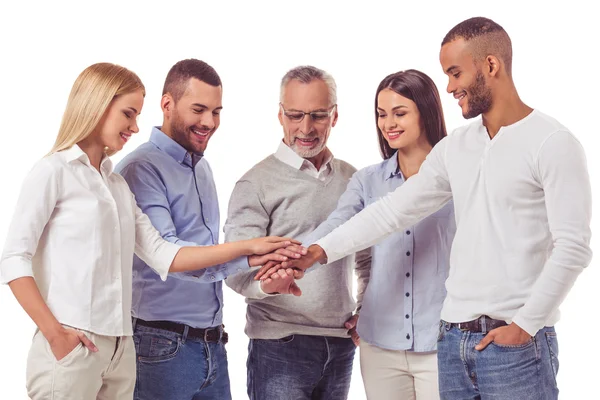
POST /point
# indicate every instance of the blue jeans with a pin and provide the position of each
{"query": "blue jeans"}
(300, 367)
(171, 366)
(520, 372)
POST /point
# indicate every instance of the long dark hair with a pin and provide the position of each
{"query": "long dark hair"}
(418, 87)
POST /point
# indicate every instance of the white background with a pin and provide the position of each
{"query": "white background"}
(45, 45)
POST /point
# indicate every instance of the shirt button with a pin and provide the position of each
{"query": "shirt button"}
(407, 336)
(407, 316)
(407, 294)
(212, 277)
(408, 253)
(407, 274)
(408, 232)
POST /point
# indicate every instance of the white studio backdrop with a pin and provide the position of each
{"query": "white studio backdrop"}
(45, 45)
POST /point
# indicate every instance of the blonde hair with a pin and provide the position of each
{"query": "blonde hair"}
(93, 91)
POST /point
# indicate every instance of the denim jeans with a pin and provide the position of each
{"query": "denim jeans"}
(300, 367)
(515, 372)
(171, 366)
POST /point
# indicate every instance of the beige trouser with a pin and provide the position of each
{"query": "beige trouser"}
(398, 374)
(108, 374)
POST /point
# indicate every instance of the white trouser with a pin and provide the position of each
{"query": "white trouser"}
(108, 374)
(398, 374)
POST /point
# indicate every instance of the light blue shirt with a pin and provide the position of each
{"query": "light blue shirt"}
(403, 299)
(177, 192)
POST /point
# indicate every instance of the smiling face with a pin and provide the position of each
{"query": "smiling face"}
(466, 81)
(308, 136)
(399, 120)
(194, 118)
(119, 121)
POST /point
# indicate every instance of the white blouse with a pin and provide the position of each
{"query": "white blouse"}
(75, 231)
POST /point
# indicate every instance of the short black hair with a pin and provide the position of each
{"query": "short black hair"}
(486, 37)
(184, 70)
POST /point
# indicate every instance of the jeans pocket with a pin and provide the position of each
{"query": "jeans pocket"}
(156, 347)
(284, 340)
(514, 346)
(553, 350)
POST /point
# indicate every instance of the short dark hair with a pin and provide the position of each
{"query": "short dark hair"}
(486, 37)
(184, 70)
(418, 87)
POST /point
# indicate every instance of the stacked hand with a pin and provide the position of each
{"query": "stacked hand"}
(312, 255)
(273, 249)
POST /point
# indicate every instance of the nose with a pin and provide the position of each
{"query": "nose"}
(450, 87)
(389, 123)
(208, 120)
(134, 127)
(306, 125)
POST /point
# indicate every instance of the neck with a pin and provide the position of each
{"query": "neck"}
(411, 158)
(507, 108)
(319, 159)
(94, 151)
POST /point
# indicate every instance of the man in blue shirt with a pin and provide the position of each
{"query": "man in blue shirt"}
(178, 330)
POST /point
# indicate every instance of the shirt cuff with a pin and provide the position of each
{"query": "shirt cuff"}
(164, 259)
(13, 268)
(240, 264)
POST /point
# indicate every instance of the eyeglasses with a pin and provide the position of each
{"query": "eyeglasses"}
(317, 116)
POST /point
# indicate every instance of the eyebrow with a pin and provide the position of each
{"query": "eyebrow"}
(449, 70)
(133, 109)
(308, 112)
(203, 106)
(393, 109)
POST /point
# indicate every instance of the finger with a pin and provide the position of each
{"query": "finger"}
(277, 239)
(297, 249)
(87, 342)
(288, 253)
(489, 338)
(288, 271)
(295, 289)
(355, 338)
(271, 247)
(282, 274)
(275, 276)
(298, 274)
(270, 271)
(265, 270)
(351, 323)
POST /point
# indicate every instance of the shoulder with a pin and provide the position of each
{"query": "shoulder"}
(145, 155)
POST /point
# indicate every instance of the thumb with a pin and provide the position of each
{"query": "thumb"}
(489, 338)
(87, 342)
(295, 289)
(351, 323)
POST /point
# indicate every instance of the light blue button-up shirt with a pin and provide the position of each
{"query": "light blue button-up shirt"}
(403, 299)
(177, 192)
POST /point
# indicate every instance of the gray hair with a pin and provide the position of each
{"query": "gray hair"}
(307, 74)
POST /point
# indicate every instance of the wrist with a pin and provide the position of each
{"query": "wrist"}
(317, 254)
(52, 332)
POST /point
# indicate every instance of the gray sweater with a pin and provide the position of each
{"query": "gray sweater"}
(273, 198)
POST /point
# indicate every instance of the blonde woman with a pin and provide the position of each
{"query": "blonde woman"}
(69, 249)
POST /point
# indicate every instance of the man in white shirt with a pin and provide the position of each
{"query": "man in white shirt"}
(522, 200)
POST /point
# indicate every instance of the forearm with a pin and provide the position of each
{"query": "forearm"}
(194, 258)
(29, 297)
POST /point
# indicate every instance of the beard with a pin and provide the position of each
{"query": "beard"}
(480, 97)
(182, 134)
(308, 153)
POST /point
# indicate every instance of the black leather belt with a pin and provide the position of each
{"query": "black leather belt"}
(482, 324)
(210, 335)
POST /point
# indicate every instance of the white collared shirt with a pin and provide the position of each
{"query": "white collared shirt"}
(523, 208)
(75, 231)
(286, 155)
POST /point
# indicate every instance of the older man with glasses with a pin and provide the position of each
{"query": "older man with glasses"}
(299, 346)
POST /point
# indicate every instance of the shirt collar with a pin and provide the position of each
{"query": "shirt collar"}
(285, 154)
(172, 148)
(391, 167)
(75, 153)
